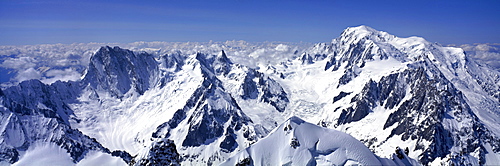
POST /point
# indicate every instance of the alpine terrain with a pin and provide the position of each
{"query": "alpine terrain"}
(367, 98)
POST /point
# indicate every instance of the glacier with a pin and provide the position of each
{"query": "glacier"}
(366, 91)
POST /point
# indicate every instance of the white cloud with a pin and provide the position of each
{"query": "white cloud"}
(27, 74)
(19, 63)
(62, 75)
(484, 53)
(282, 48)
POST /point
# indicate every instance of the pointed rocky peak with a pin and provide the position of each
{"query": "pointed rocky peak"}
(214, 108)
(306, 59)
(222, 64)
(200, 56)
(204, 60)
(222, 57)
(214, 64)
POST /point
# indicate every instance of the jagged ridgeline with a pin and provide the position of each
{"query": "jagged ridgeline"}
(201, 108)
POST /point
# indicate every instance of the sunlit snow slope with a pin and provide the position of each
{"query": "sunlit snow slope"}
(296, 142)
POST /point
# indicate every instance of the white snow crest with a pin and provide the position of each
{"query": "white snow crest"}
(44, 154)
(297, 142)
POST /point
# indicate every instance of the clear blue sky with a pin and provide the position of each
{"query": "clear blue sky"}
(69, 21)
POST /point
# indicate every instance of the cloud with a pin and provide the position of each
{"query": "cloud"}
(54, 75)
(47, 62)
(484, 53)
(19, 63)
(27, 74)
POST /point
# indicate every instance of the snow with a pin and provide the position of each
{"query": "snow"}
(42, 153)
(95, 158)
(492, 158)
(49, 154)
(296, 142)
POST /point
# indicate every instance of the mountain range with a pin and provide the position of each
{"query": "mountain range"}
(367, 97)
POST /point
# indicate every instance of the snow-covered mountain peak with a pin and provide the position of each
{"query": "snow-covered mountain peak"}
(357, 46)
(363, 32)
(297, 142)
(404, 49)
(388, 43)
(361, 28)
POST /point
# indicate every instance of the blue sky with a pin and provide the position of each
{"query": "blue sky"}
(70, 21)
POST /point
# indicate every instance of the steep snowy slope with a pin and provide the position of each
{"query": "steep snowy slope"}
(296, 142)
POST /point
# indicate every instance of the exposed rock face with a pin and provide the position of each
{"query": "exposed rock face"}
(163, 152)
(117, 70)
(258, 86)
